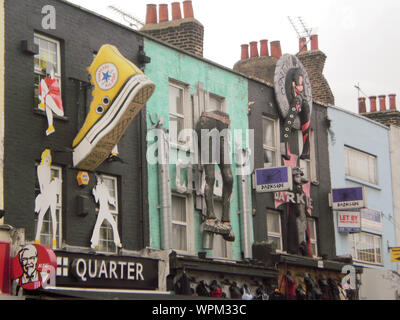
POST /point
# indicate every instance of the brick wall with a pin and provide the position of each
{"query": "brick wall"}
(186, 34)
(80, 34)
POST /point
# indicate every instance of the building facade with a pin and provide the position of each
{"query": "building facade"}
(360, 157)
(57, 40)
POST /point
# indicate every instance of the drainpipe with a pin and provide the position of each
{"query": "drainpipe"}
(244, 198)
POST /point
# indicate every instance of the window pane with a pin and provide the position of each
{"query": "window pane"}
(360, 165)
(179, 240)
(214, 104)
(269, 158)
(179, 209)
(269, 133)
(276, 242)
(175, 100)
(273, 224)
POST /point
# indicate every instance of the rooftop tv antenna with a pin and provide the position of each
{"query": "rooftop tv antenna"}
(131, 20)
(301, 28)
(359, 90)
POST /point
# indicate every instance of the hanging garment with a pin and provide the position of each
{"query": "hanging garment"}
(235, 291)
(246, 293)
(182, 286)
(201, 290)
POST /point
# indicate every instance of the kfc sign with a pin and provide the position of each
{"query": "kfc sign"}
(34, 267)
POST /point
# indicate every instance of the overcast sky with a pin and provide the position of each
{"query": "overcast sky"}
(360, 37)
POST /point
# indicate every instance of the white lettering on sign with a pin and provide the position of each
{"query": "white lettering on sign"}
(102, 269)
(272, 186)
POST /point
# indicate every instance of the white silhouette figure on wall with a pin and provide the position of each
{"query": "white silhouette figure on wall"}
(50, 98)
(47, 198)
(102, 196)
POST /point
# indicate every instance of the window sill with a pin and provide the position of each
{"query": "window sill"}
(367, 184)
(43, 113)
(363, 263)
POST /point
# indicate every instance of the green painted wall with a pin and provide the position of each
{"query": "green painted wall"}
(167, 63)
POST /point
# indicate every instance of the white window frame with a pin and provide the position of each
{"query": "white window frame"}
(42, 73)
(310, 164)
(372, 159)
(218, 238)
(107, 245)
(275, 235)
(220, 100)
(47, 217)
(188, 199)
(312, 224)
(357, 246)
(186, 116)
(276, 148)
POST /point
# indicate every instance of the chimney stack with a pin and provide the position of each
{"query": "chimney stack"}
(264, 48)
(163, 12)
(361, 105)
(392, 101)
(151, 14)
(253, 49)
(382, 102)
(245, 51)
(302, 44)
(372, 100)
(314, 42)
(186, 34)
(176, 11)
(188, 9)
(276, 49)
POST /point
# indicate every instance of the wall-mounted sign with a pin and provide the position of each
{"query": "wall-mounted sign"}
(348, 198)
(5, 260)
(371, 219)
(395, 254)
(106, 272)
(274, 179)
(349, 221)
(34, 266)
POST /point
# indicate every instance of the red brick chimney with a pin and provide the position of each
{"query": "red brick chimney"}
(176, 11)
(392, 101)
(245, 52)
(372, 101)
(253, 49)
(314, 42)
(361, 105)
(276, 49)
(382, 102)
(151, 14)
(302, 44)
(163, 13)
(188, 9)
(264, 48)
(186, 34)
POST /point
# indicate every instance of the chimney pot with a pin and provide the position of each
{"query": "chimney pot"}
(382, 102)
(151, 14)
(314, 42)
(163, 12)
(245, 51)
(361, 105)
(176, 11)
(372, 100)
(264, 48)
(392, 101)
(276, 49)
(188, 9)
(253, 49)
(302, 44)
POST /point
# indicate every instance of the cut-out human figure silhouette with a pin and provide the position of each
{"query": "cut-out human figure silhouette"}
(102, 196)
(47, 198)
(50, 98)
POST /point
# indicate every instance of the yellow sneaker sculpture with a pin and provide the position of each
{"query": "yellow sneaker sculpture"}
(119, 90)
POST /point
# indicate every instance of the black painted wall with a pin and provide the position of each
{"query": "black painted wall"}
(265, 104)
(80, 34)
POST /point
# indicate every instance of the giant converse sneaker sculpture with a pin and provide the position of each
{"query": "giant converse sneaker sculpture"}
(119, 92)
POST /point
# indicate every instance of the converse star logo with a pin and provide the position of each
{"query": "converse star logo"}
(107, 76)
